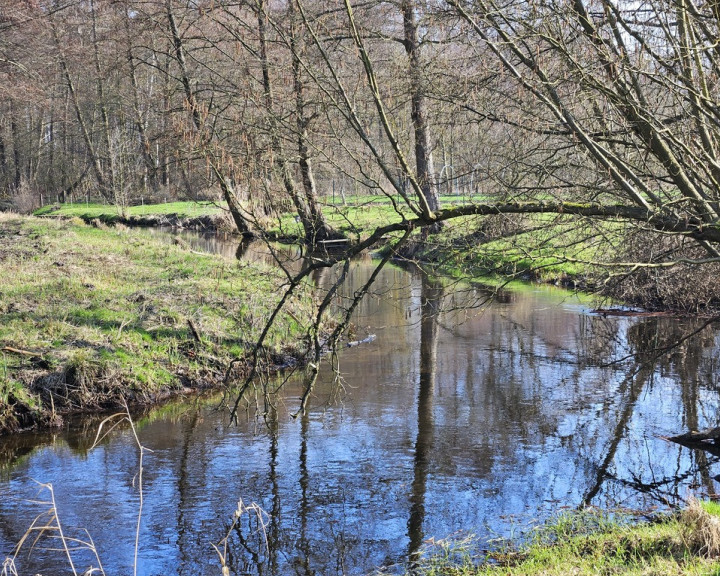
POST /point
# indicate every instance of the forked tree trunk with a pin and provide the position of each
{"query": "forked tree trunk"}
(226, 187)
(320, 230)
(315, 227)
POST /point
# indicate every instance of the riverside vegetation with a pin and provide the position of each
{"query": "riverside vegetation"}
(96, 312)
(92, 315)
(591, 542)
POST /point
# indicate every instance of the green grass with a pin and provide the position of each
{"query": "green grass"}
(87, 211)
(105, 312)
(553, 248)
(711, 507)
(591, 542)
(546, 248)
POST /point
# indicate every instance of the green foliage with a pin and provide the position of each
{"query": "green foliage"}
(589, 542)
(109, 310)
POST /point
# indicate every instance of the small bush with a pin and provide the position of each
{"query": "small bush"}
(702, 528)
(26, 198)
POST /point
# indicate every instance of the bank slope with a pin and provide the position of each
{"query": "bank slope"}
(92, 315)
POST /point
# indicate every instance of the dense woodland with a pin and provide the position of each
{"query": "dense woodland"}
(594, 108)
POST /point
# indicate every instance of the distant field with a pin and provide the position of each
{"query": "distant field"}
(191, 208)
(182, 209)
(353, 199)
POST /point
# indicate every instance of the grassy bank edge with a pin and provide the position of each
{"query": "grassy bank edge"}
(94, 316)
(591, 542)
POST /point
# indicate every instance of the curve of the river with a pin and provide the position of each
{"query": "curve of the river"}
(454, 420)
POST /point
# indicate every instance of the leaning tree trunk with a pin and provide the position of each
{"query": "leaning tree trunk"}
(242, 223)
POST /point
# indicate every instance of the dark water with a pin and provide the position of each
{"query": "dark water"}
(453, 421)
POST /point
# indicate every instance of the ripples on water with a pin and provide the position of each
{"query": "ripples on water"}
(453, 420)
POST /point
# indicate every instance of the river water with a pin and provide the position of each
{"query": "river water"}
(455, 420)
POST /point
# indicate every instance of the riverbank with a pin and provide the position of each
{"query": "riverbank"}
(591, 542)
(96, 315)
(540, 248)
(202, 216)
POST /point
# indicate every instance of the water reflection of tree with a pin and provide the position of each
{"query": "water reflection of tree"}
(273, 533)
(629, 391)
(681, 348)
(187, 466)
(302, 562)
(431, 298)
(659, 347)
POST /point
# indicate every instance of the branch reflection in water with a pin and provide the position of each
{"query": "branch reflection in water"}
(475, 422)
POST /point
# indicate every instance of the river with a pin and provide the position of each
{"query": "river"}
(456, 420)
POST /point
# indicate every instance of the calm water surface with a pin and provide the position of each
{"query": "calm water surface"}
(453, 421)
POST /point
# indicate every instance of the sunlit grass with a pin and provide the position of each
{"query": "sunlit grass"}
(93, 210)
(115, 303)
(589, 543)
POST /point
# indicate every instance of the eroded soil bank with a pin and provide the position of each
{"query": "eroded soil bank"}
(93, 316)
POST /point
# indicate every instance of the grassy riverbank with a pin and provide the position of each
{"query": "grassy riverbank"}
(547, 248)
(589, 543)
(94, 210)
(93, 315)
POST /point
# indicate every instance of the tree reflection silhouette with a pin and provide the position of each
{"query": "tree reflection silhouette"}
(431, 299)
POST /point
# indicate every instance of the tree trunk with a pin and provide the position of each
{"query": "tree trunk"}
(320, 228)
(226, 187)
(16, 148)
(104, 115)
(418, 110)
(140, 122)
(95, 160)
(3, 158)
(275, 141)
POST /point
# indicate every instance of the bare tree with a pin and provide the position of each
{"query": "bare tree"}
(424, 165)
(205, 132)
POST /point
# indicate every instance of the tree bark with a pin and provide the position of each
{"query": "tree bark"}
(424, 164)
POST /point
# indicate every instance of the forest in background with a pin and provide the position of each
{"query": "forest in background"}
(594, 112)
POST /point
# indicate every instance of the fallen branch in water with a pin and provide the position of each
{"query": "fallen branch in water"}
(369, 338)
(707, 440)
(698, 436)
